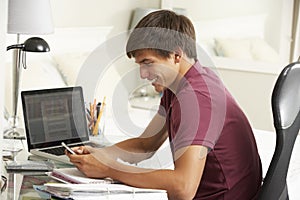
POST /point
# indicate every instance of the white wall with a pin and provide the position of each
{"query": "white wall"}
(252, 91)
(213, 9)
(68, 13)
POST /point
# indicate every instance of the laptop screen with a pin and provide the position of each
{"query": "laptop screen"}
(54, 115)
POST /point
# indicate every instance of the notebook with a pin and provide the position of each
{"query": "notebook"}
(73, 175)
(53, 116)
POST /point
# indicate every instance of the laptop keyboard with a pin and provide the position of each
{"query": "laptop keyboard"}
(56, 151)
(61, 150)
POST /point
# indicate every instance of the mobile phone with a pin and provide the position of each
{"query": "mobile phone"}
(68, 148)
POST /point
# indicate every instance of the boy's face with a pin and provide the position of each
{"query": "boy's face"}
(162, 72)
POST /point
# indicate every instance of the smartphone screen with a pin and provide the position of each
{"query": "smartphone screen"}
(68, 148)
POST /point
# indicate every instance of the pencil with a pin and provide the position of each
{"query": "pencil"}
(93, 109)
(95, 131)
(93, 106)
(92, 118)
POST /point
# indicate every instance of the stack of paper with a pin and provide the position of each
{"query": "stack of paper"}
(98, 192)
(97, 188)
(77, 186)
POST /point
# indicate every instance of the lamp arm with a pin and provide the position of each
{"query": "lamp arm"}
(15, 46)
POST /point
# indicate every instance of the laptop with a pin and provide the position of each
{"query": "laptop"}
(53, 116)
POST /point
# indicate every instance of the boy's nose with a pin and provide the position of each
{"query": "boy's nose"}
(144, 73)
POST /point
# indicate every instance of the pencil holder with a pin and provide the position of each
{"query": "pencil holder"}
(96, 117)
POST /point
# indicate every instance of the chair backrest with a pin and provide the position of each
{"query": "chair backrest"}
(286, 116)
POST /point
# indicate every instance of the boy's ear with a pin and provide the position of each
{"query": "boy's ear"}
(178, 54)
(177, 58)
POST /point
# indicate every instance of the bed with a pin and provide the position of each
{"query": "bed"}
(239, 43)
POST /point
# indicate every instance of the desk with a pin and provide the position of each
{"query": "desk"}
(20, 186)
(24, 191)
(14, 181)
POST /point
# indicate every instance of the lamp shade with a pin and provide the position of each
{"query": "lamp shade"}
(29, 17)
(36, 44)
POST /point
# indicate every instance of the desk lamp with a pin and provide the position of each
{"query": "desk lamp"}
(29, 17)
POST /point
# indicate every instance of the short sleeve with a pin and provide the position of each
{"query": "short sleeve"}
(194, 120)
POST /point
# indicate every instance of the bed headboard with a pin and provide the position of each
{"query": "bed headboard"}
(233, 27)
(236, 38)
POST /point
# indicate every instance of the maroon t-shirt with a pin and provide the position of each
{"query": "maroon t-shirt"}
(202, 112)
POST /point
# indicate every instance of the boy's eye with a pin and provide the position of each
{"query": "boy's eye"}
(147, 64)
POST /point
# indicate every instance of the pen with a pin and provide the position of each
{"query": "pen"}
(95, 131)
(98, 108)
(88, 114)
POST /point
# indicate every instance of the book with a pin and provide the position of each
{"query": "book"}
(95, 188)
(29, 165)
(97, 191)
(75, 185)
(74, 176)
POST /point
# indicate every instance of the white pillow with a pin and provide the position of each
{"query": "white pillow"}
(71, 46)
(262, 51)
(69, 65)
(249, 48)
(233, 48)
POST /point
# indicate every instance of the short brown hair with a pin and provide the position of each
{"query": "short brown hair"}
(163, 31)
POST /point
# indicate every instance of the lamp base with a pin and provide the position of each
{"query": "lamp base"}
(14, 133)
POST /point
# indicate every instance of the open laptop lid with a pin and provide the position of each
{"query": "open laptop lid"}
(53, 116)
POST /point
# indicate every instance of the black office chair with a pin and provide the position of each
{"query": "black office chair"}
(286, 115)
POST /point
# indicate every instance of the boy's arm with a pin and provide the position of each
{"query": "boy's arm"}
(180, 183)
